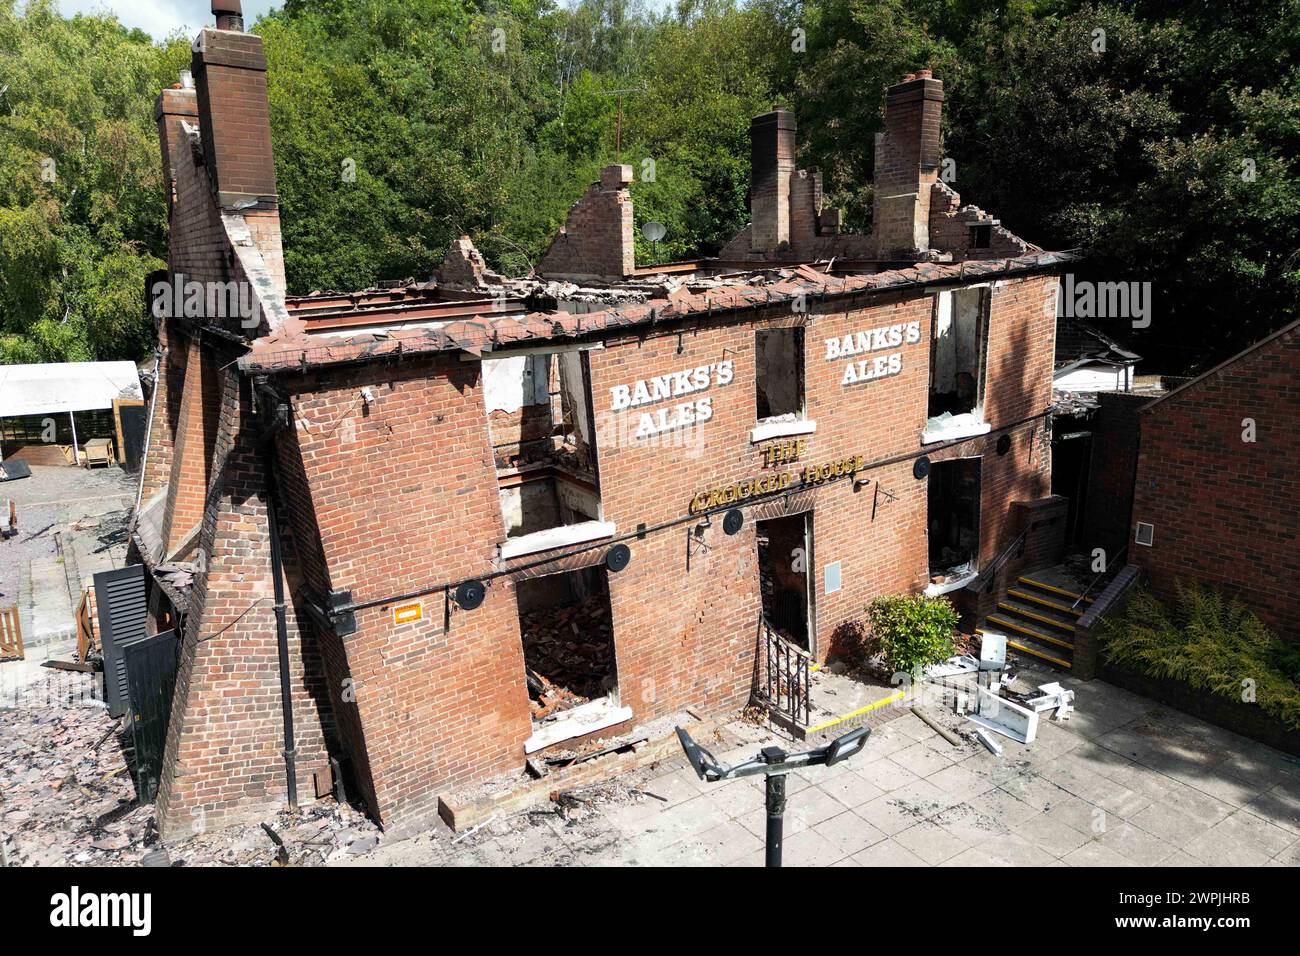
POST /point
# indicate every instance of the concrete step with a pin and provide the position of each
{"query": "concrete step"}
(1038, 618)
(1019, 630)
(1060, 605)
(1043, 652)
(1051, 591)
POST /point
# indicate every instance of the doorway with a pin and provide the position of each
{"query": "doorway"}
(784, 563)
(954, 517)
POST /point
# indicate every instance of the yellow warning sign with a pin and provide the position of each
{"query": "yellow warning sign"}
(406, 613)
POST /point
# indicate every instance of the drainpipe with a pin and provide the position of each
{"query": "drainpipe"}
(148, 434)
(281, 628)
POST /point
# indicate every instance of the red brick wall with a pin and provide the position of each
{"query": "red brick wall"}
(950, 230)
(223, 761)
(1224, 510)
(196, 435)
(401, 495)
(165, 413)
(597, 238)
(404, 496)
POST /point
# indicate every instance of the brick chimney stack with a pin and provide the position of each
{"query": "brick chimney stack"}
(229, 69)
(772, 147)
(172, 108)
(598, 239)
(907, 165)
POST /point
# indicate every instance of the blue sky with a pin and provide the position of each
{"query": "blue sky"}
(161, 18)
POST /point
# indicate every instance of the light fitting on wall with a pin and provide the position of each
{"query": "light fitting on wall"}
(470, 594)
(618, 557)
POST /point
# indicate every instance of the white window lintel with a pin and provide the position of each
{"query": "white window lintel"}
(559, 537)
(764, 431)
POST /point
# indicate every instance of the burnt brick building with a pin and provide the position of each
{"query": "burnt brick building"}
(471, 519)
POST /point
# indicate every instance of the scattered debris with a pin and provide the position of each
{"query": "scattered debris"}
(1004, 717)
(993, 746)
(570, 655)
(1055, 698)
(67, 798)
(937, 727)
(957, 664)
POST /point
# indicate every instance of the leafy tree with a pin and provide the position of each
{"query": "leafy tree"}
(81, 204)
(1168, 155)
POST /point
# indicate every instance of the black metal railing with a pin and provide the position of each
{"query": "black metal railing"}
(785, 675)
(1110, 563)
(985, 579)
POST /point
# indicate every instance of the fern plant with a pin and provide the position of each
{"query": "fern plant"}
(1208, 642)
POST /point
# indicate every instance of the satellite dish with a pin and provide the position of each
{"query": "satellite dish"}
(470, 594)
(921, 468)
(653, 230)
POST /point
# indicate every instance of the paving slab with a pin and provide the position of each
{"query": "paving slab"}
(849, 833)
(887, 853)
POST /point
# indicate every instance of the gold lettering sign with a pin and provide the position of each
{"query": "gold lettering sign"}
(748, 488)
(783, 452)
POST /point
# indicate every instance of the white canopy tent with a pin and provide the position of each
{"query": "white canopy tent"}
(66, 387)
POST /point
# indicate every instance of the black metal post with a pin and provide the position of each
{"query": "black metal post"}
(775, 817)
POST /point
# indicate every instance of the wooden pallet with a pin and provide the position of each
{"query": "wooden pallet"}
(11, 634)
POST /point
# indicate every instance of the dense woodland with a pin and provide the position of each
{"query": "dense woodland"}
(1167, 147)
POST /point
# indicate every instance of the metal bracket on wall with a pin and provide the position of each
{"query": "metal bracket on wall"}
(343, 622)
(695, 540)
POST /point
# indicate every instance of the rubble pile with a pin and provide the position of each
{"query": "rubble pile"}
(66, 793)
(569, 654)
(315, 836)
(67, 798)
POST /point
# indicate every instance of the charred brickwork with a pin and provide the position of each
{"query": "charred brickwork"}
(446, 489)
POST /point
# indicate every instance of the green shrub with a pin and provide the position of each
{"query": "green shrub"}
(1209, 643)
(913, 631)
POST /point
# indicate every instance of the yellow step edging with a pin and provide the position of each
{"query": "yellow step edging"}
(1046, 657)
(1030, 632)
(1053, 588)
(1026, 596)
(1029, 650)
(1004, 606)
(857, 713)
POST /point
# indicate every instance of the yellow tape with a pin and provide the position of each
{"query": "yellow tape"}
(859, 712)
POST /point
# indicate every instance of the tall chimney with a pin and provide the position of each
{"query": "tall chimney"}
(173, 108)
(907, 165)
(229, 69)
(772, 146)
